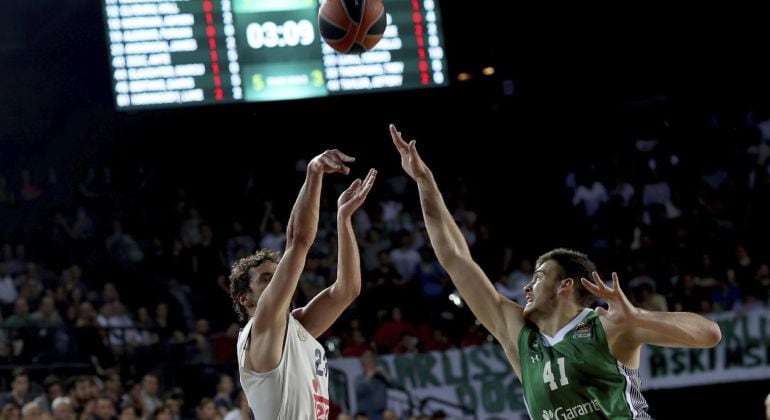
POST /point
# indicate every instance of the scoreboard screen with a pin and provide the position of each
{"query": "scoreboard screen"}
(185, 52)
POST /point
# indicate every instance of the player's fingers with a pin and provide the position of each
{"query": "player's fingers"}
(615, 281)
(370, 176)
(343, 157)
(396, 136)
(591, 287)
(330, 163)
(599, 282)
(413, 148)
(355, 185)
(368, 183)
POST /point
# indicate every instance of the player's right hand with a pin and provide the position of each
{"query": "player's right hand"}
(410, 159)
(331, 161)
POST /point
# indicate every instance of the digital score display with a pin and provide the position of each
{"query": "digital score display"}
(186, 52)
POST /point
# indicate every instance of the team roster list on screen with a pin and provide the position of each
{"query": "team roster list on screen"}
(171, 53)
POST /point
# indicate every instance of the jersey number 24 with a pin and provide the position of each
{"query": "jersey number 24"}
(321, 367)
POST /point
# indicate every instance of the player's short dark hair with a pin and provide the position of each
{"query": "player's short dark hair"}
(239, 277)
(575, 265)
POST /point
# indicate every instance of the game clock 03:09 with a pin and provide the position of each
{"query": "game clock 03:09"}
(290, 33)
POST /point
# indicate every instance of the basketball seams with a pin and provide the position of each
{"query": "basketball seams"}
(330, 18)
(373, 21)
(347, 12)
(352, 35)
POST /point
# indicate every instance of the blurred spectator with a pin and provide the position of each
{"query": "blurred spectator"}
(372, 388)
(241, 411)
(21, 317)
(149, 393)
(134, 397)
(112, 385)
(199, 349)
(127, 412)
(8, 291)
(590, 195)
(271, 229)
(52, 389)
(405, 258)
(174, 400)
(206, 410)
(223, 399)
(189, 231)
(240, 244)
(390, 332)
(32, 411)
(357, 345)
(371, 246)
(19, 394)
(62, 409)
(10, 411)
(104, 409)
(647, 298)
(122, 247)
(688, 295)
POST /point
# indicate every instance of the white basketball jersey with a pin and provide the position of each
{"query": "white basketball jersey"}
(298, 388)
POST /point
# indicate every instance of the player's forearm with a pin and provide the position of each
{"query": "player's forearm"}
(348, 284)
(690, 329)
(445, 236)
(303, 221)
(453, 254)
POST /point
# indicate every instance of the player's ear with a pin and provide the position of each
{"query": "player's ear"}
(245, 300)
(567, 284)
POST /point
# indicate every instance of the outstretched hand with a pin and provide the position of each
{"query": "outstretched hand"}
(331, 161)
(352, 198)
(410, 159)
(620, 309)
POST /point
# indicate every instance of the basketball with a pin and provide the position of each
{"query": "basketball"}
(351, 26)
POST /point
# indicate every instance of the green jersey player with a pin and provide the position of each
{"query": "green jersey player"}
(573, 362)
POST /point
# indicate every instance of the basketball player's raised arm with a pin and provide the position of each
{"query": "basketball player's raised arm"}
(500, 315)
(300, 234)
(321, 312)
(635, 326)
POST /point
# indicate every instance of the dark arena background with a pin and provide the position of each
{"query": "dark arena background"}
(639, 137)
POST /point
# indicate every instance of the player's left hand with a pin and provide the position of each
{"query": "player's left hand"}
(352, 198)
(620, 309)
(411, 161)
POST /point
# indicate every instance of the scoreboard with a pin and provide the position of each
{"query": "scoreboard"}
(186, 52)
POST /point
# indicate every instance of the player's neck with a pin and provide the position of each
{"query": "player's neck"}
(251, 311)
(562, 315)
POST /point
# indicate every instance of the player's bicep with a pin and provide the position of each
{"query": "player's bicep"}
(513, 320)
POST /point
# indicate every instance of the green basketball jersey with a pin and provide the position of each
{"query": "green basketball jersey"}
(574, 376)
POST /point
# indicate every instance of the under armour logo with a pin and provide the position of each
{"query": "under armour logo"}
(535, 358)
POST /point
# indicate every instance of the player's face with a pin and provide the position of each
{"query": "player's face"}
(540, 292)
(259, 278)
